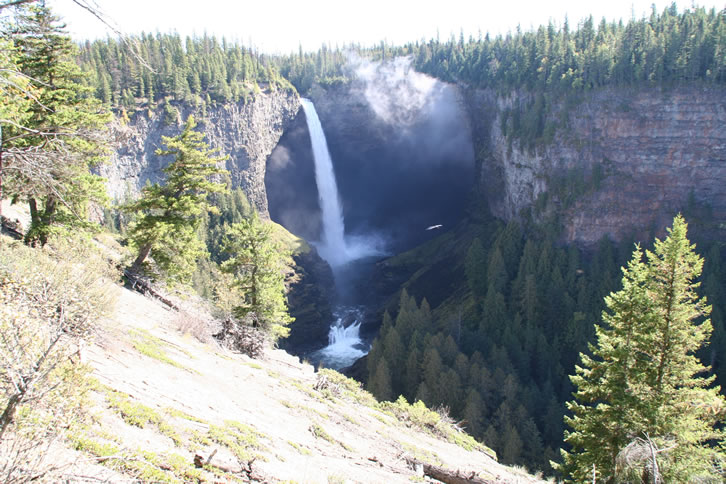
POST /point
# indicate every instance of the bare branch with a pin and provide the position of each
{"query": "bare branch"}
(14, 3)
(94, 9)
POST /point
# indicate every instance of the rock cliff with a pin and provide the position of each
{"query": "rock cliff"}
(246, 132)
(632, 158)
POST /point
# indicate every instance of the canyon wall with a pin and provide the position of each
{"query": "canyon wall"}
(246, 132)
(632, 157)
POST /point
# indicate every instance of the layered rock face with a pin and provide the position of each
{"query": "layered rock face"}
(642, 156)
(246, 132)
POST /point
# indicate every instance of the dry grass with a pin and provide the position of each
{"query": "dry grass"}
(199, 328)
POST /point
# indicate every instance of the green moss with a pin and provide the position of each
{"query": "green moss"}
(347, 388)
(242, 440)
(382, 418)
(319, 432)
(308, 391)
(302, 450)
(419, 416)
(144, 466)
(200, 438)
(351, 420)
(91, 446)
(140, 415)
(183, 468)
(225, 476)
(180, 414)
(422, 455)
(151, 346)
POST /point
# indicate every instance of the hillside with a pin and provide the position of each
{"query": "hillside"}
(162, 396)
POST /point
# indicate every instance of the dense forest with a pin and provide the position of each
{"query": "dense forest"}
(151, 68)
(543, 65)
(497, 348)
(498, 352)
(664, 48)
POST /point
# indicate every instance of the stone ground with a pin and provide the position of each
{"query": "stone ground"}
(302, 434)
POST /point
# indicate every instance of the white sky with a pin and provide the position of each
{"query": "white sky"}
(279, 26)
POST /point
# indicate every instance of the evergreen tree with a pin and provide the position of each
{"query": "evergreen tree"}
(167, 228)
(257, 263)
(379, 383)
(475, 269)
(62, 134)
(641, 386)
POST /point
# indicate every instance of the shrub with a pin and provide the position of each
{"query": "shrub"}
(49, 301)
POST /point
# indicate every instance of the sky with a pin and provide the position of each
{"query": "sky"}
(281, 26)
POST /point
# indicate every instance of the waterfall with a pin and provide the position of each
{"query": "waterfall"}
(344, 342)
(332, 244)
(341, 334)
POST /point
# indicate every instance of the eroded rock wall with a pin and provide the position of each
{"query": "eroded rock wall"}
(246, 132)
(655, 151)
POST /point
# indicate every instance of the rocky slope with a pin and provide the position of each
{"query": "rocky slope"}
(246, 132)
(164, 397)
(634, 157)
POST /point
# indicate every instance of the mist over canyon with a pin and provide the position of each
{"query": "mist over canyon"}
(401, 147)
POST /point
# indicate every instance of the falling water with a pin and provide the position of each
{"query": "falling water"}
(344, 342)
(332, 245)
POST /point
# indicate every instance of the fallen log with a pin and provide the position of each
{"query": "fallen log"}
(447, 476)
(11, 228)
(144, 287)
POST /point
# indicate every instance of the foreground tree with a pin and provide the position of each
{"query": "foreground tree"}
(642, 412)
(54, 130)
(167, 228)
(257, 264)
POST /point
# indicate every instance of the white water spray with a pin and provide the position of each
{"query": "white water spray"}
(344, 343)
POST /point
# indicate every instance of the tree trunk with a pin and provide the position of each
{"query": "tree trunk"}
(7, 417)
(144, 252)
(34, 221)
(46, 220)
(447, 476)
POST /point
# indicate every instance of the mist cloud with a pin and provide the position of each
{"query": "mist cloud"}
(394, 90)
(279, 158)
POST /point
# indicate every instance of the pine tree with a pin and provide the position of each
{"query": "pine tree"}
(62, 133)
(379, 383)
(475, 269)
(257, 263)
(171, 212)
(641, 386)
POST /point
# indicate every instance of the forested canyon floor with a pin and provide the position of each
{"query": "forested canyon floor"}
(255, 419)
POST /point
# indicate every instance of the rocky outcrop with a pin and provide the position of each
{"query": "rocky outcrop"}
(633, 158)
(246, 132)
(309, 299)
